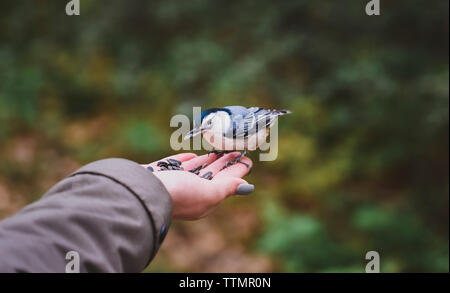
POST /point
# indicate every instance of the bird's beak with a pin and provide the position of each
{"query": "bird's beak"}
(193, 132)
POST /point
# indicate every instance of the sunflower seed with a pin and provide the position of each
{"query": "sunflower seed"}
(207, 175)
(174, 162)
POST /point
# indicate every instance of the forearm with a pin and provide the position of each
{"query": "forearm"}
(111, 212)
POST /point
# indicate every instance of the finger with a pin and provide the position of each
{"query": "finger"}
(199, 161)
(228, 186)
(179, 157)
(218, 164)
(236, 170)
(183, 157)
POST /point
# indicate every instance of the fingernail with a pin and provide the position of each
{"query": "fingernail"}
(245, 189)
(150, 168)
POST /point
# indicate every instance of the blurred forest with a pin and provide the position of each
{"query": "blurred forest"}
(363, 160)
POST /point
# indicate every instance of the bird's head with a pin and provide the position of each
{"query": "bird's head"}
(214, 120)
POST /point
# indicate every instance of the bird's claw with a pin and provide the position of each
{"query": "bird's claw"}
(233, 162)
(197, 169)
(237, 160)
(218, 153)
(247, 165)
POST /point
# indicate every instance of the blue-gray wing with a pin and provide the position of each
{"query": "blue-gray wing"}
(252, 120)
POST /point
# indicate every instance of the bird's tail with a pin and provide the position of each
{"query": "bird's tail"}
(282, 112)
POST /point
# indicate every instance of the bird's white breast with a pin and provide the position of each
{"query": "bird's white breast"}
(251, 143)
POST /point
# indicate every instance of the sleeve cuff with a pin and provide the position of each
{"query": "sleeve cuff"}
(144, 185)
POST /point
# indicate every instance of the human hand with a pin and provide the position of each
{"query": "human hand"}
(194, 197)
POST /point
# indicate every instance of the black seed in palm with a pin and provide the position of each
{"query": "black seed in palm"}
(162, 164)
(207, 175)
(174, 162)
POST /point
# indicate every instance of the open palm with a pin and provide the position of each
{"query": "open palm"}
(194, 197)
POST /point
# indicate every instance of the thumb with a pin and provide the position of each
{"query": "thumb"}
(232, 186)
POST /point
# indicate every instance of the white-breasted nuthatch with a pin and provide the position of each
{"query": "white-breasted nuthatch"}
(235, 128)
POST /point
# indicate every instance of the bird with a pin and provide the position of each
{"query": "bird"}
(235, 128)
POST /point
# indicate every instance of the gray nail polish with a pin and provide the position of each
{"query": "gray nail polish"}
(245, 189)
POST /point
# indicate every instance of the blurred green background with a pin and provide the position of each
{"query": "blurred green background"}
(363, 160)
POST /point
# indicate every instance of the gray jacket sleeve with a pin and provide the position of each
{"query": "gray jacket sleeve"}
(113, 213)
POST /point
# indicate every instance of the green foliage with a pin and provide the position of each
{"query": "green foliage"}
(363, 159)
(142, 137)
(402, 237)
(303, 243)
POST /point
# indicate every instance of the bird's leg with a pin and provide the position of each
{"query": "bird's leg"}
(197, 169)
(236, 160)
(219, 153)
